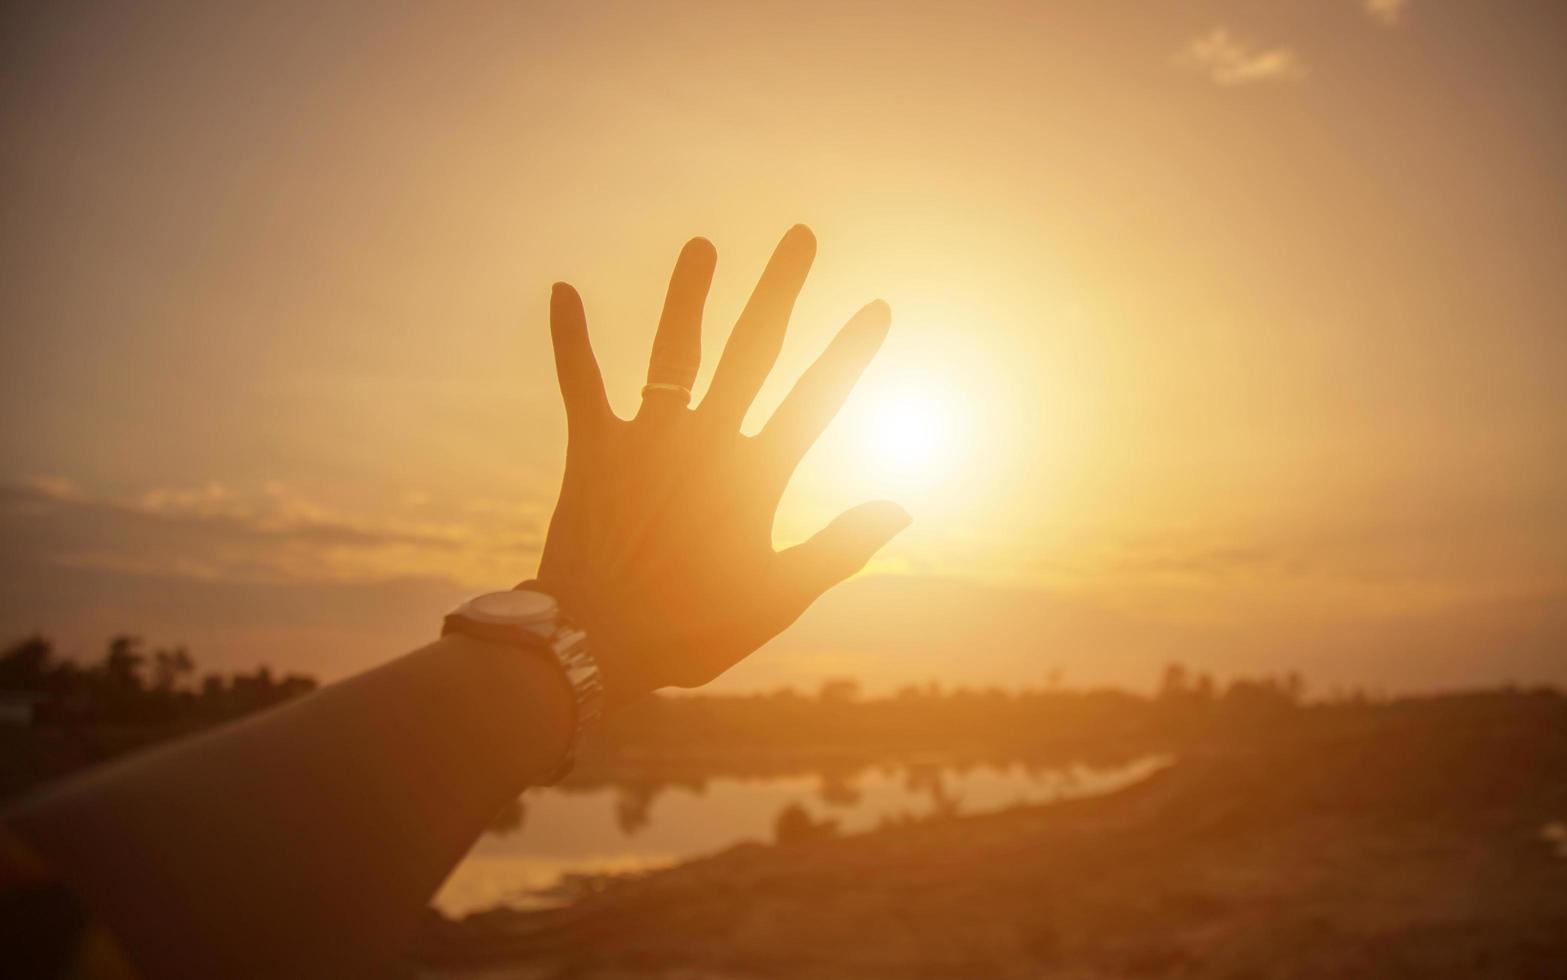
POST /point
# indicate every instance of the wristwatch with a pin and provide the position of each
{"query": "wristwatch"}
(532, 621)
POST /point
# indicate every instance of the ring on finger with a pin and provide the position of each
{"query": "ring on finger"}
(669, 387)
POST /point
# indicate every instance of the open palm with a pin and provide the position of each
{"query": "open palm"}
(661, 542)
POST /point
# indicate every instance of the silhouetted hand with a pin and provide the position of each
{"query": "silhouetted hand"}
(661, 542)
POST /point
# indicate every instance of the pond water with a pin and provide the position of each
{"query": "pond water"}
(639, 826)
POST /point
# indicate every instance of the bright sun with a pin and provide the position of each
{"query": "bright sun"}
(906, 433)
(903, 434)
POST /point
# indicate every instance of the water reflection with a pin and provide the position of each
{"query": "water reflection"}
(603, 823)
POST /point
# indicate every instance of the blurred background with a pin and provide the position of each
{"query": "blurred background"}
(1231, 331)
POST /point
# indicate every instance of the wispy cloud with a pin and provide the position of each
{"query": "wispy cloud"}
(1389, 12)
(1228, 59)
(1211, 563)
(217, 533)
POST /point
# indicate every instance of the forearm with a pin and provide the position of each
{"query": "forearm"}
(290, 842)
(307, 840)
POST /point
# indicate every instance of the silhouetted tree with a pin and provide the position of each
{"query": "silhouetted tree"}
(115, 689)
(122, 664)
(169, 666)
(1205, 689)
(1172, 686)
(25, 665)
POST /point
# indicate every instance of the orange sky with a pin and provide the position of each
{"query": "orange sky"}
(1243, 321)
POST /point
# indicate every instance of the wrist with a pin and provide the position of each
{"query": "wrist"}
(606, 644)
(528, 623)
(502, 679)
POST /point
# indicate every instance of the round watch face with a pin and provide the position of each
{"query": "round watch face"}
(515, 606)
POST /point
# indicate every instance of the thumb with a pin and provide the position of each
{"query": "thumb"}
(843, 547)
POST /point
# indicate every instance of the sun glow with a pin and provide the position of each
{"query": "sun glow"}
(906, 433)
(909, 430)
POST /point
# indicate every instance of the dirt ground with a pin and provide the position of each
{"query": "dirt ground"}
(1414, 845)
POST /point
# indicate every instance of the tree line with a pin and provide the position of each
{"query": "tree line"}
(132, 685)
(930, 717)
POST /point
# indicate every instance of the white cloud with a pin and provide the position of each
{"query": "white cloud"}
(1230, 60)
(1389, 12)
